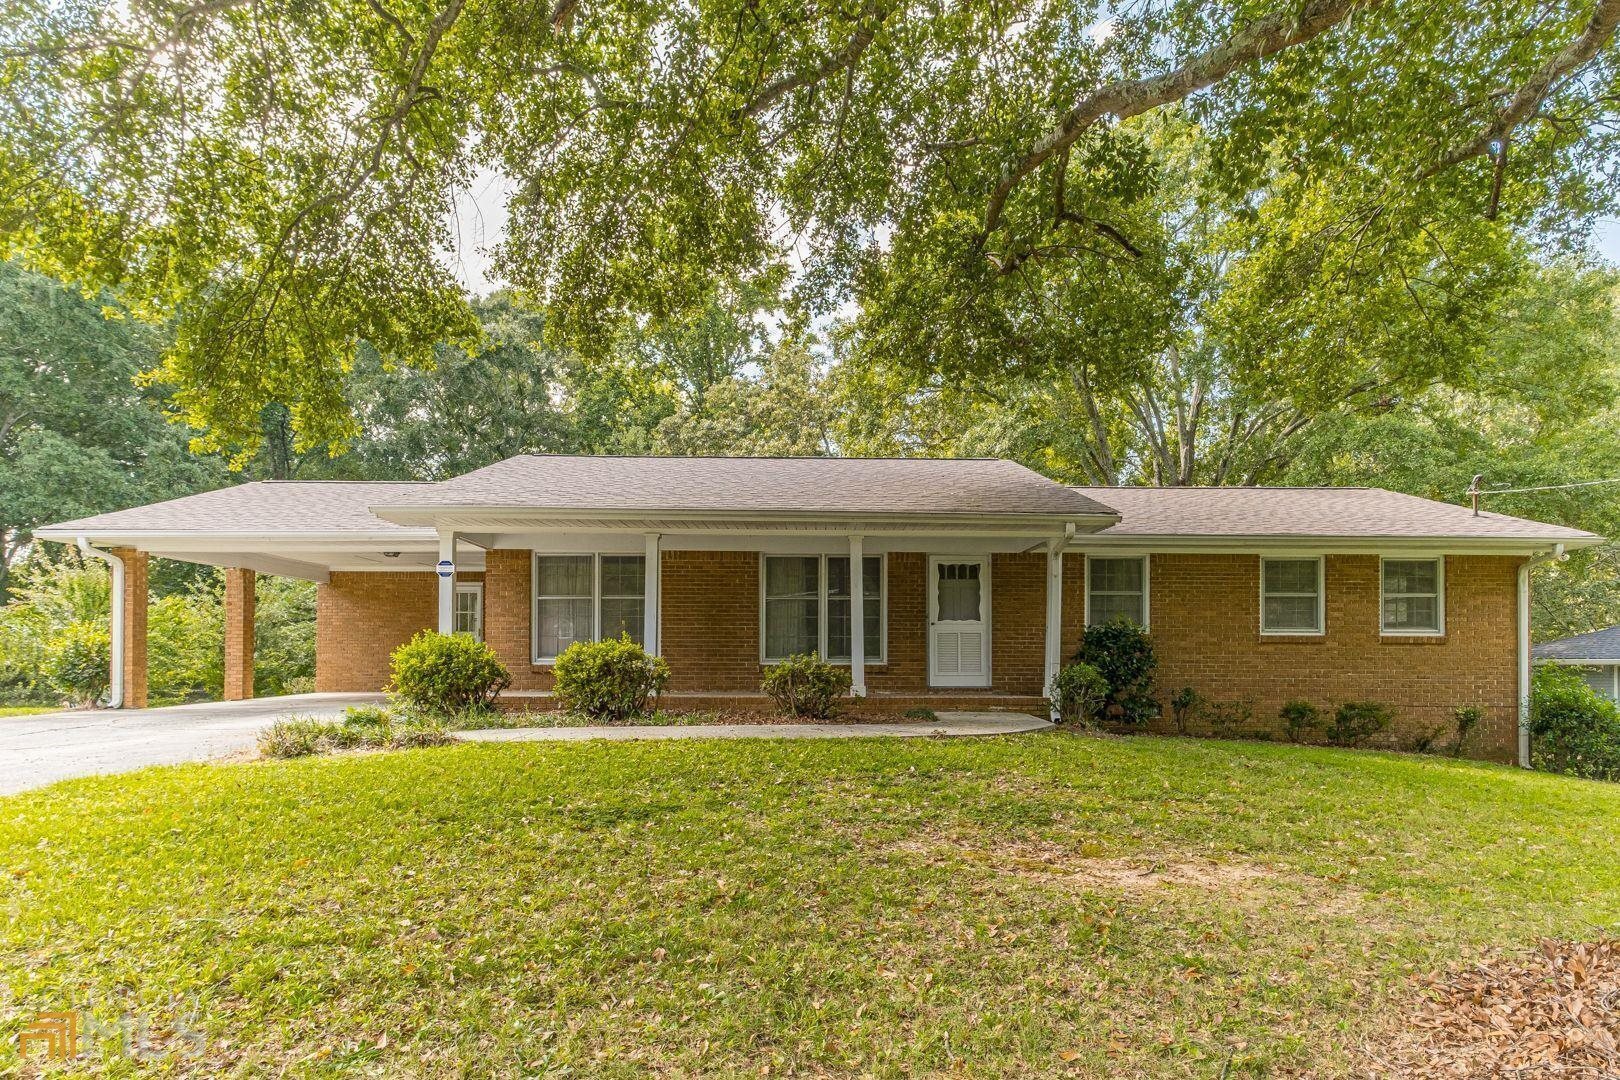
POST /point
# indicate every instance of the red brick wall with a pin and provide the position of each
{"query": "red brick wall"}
(239, 608)
(1206, 628)
(136, 594)
(361, 618)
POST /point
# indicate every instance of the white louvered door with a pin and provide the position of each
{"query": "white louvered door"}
(958, 621)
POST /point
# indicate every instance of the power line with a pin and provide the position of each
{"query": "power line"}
(1545, 487)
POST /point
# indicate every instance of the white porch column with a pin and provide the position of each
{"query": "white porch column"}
(447, 582)
(651, 593)
(857, 616)
(1054, 611)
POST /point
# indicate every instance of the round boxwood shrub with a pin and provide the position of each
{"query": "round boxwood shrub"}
(447, 673)
(807, 686)
(610, 680)
(1123, 653)
(1078, 693)
(1355, 722)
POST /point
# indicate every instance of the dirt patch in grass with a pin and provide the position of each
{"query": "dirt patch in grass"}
(1054, 863)
(1555, 1012)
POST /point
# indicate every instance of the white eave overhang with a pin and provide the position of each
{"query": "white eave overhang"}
(1323, 544)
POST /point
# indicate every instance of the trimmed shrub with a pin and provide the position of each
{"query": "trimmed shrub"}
(78, 662)
(1078, 693)
(1573, 729)
(807, 686)
(1184, 706)
(1300, 718)
(1123, 653)
(446, 673)
(1355, 722)
(610, 680)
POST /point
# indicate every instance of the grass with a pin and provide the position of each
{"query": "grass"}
(26, 710)
(1041, 905)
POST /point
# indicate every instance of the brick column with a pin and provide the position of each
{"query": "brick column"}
(238, 634)
(135, 595)
(507, 613)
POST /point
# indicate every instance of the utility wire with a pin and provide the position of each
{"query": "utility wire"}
(1547, 487)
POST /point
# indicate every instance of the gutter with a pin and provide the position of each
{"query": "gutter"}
(1555, 555)
(115, 682)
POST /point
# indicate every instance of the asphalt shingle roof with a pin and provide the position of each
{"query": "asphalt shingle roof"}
(1309, 512)
(266, 506)
(760, 485)
(1596, 645)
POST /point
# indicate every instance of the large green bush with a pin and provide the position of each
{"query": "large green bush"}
(807, 686)
(446, 673)
(1123, 653)
(1572, 728)
(1355, 722)
(78, 662)
(1078, 693)
(610, 680)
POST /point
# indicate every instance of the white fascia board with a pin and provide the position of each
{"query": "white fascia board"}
(1327, 545)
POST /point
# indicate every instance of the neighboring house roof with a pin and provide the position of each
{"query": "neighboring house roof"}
(1600, 645)
(1310, 513)
(267, 506)
(889, 486)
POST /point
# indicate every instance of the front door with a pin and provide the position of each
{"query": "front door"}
(958, 620)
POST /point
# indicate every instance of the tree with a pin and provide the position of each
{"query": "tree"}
(780, 413)
(76, 435)
(275, 178)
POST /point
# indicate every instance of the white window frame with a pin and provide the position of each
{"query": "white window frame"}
(596, 594)
(473, 588)
(1321, 596)
(877, 659)
(1147, 586)
(1439, 597)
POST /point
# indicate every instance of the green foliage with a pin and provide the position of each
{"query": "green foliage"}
(283, 636)
(301, 736)
(1226, 719)
(1466, 718)
(1123, 653)
(1354, 722)
(77, 663)
(446, 673)
(1078, 693)
(1300, 719)
(807, 686)
(1573, 729)
(1184, 706)
(921, 713)
(366, 717)
(610, 680)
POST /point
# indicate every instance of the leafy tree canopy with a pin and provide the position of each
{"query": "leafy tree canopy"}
(276, 177)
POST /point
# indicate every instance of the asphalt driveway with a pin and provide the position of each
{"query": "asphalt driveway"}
(47, 747)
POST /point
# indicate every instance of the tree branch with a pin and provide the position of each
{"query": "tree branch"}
(1260, 39)
(830, 66)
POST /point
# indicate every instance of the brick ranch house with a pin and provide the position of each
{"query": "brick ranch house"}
(976, 580)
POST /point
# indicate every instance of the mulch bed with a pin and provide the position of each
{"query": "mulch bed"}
(1555, 1012)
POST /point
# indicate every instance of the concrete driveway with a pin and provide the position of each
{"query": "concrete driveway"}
(47, 747)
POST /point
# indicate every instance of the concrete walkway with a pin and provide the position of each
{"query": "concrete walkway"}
(46, 747)
(949, 723)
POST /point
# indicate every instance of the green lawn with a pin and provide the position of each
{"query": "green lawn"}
(1046, 904)
(25, 710)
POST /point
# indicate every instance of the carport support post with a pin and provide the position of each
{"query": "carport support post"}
(134, 617)
(447, 582)
(1054, 616)
(239, 608)
(650, 595)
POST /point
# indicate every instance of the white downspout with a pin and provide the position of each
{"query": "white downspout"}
(115, 681)
(1556, 555)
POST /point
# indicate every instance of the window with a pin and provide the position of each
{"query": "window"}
(576, 594)
(1117, 588)
(469, 613)
(1414, 596)
(1291, 596)
(806, 607)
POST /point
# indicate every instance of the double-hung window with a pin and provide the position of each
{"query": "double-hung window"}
(586, 598)
(1414, 596)
(807, 604)
(1291, 596)
(1117, 588)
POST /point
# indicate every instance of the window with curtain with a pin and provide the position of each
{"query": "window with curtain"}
(1291, 596)
(807, 606)
(1116, 588)
(960, 592)
(1413, 600)
(586, 597)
